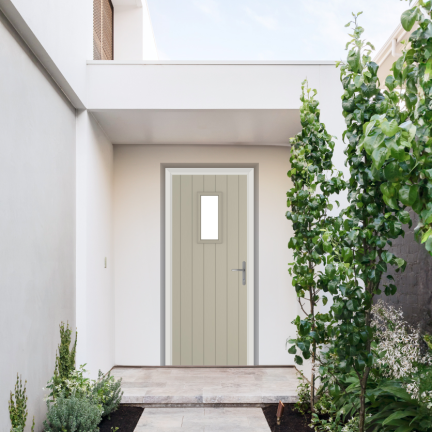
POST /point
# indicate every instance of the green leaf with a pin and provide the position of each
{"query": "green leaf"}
(347, 255)
(426, 235)
(324, 300)
(408, 194)
(387, 256)
(354, 338)
(408, 18)
(398, 415)
(404, 217)
(298, 360)
(352, 305)
(404, 428)
(389, 128)
(379, 156)
(428, 245)
(428, 71)
(392, 171)
(373, 141)
(354, 60)
(330, 271)
(389, 82)
(292, 350)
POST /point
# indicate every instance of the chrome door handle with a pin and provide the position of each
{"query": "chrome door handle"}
(242, 270)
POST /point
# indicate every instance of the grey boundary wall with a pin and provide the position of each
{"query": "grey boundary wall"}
(414, 286)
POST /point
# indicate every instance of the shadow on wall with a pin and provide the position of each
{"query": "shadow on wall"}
(414, 286)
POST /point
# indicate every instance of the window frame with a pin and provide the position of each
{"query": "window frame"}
(219, 240)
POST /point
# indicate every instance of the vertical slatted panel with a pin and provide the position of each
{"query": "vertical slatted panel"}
(233, 263)
(243, 257)
(107, 26)
(198, 278)
(176, 270)
(209, 290)
(103, 30)
(97, 29)
(186, 269)
(221, 279)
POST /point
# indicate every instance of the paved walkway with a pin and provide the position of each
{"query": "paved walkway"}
(207, 386)
(202, 420)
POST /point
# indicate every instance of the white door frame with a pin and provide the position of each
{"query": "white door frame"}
(249, 172)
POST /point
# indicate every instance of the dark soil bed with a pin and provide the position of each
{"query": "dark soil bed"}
(291, 420)
(125, 418)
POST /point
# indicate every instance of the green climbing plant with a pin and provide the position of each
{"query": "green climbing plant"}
(359, 256)
(314, 181)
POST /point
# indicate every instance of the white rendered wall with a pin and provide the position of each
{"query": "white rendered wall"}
(137, 245)
(95, 289)
(133, 32)
(65, 30)
(37, 223)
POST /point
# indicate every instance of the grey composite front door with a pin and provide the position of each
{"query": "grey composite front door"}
(209, 241)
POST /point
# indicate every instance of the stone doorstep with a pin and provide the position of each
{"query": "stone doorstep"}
(202, 405)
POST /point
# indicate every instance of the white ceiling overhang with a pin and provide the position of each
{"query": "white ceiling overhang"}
(251, 103)
(250, 127)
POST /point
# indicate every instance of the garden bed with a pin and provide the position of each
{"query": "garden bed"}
(125, 419)
(291, 421)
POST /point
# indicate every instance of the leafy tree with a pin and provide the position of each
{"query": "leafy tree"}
(18, 407)
(309, 199)
(359, 258)
(409, 166)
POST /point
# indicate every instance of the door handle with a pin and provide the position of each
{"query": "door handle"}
(242, 270)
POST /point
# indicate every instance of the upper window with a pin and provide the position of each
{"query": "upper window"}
(103, 30)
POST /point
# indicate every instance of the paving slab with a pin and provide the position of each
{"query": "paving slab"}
(207, 386)
(202, 420)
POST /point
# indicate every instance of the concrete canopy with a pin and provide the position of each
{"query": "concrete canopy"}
(160, 102)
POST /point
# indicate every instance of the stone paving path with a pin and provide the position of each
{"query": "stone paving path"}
(150, 385)
(202, 420)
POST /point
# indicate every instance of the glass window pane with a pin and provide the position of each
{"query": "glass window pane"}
(209, 217)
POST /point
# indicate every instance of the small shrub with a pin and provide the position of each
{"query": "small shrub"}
(326, 417)
(72, 414)
(65, 362)
(303, 391)
(108, 392)
(76, 384)
(18, 408)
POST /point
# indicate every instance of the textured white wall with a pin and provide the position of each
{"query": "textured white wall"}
(65, 30)
(133, 32)
(37, 223)
(95, 289)
(137, 245)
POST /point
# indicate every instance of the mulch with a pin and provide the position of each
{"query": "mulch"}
(125, 418)
(291, 420)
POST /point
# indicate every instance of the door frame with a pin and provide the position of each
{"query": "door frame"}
(249, 172)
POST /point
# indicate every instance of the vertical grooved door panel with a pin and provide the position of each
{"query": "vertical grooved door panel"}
(198, 280)
(242, 257)
(209, 290)
(222, 280)
(233, 263)
(176, 270)
(209, 301)
(186, 269)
